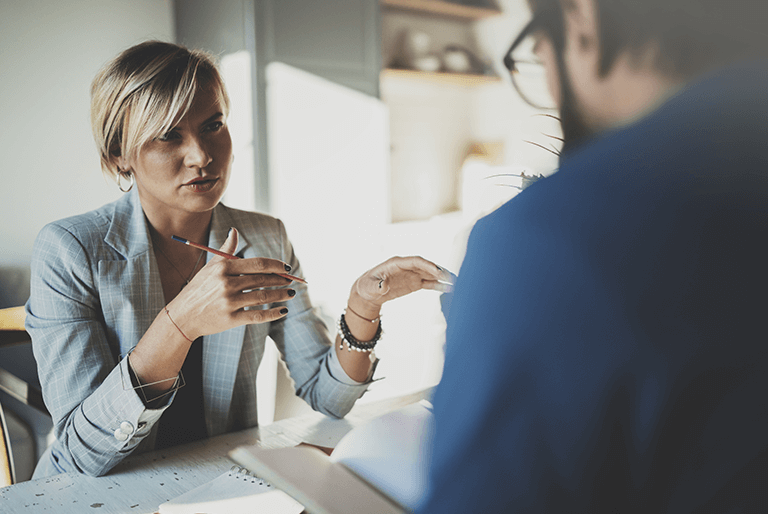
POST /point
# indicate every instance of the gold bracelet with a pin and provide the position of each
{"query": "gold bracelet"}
(175, 325)
(374, 320)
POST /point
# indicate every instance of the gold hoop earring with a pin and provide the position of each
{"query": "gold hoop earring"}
(121, 174)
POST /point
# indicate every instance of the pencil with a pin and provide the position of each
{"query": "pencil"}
(229, 256)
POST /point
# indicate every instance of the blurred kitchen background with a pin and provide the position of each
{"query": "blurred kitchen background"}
(372, 128)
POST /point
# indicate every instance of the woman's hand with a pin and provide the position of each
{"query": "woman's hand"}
(215, 299)
(391, 279)
(396, 277)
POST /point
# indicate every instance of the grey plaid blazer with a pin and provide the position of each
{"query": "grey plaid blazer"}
(95, 290)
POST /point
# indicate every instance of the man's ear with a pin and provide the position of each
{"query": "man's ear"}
(581, 30)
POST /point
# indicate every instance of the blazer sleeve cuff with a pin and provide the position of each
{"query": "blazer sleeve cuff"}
(127, 419)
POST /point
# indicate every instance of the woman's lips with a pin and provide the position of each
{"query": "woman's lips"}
(202, 186)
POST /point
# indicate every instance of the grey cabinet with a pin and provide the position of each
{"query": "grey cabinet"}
(335, 39)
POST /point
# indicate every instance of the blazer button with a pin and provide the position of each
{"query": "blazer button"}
(120, 435)
(126, 428)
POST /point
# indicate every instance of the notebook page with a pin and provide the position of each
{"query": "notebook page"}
(392, 452)
(234, 492)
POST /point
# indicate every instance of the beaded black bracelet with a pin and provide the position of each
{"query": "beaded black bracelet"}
(346, 336)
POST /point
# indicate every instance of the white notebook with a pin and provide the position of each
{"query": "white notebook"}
(377, 468)
(235, 492)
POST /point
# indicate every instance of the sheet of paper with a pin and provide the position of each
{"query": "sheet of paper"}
(392, 452)
(234, 492)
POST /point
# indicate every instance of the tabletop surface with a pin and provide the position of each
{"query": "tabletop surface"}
(141, 483)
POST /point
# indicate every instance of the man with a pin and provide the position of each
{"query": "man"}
(607, 349)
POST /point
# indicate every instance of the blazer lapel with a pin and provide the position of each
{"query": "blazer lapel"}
(221, 352)
(131, 291)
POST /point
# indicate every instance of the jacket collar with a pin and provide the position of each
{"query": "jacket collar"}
(221, 222)
(128, 230)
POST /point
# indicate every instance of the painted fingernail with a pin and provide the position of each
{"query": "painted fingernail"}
(230, 232)
(283, 311)
(291, 292)
(287, 267)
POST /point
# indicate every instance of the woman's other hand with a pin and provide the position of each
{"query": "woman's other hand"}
(391, 279)
(396, 277)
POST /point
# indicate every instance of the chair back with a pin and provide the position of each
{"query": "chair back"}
(12, 329)
(7, 474)
(12, 318)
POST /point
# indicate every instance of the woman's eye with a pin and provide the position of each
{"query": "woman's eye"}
(168, 136)
(216, 125)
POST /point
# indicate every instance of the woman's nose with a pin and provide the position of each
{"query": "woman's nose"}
(196, 155)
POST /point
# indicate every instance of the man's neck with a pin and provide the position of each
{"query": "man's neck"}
(631, 92)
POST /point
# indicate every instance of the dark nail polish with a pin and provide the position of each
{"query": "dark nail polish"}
(287, 267)
(283, 311)
(291, 292)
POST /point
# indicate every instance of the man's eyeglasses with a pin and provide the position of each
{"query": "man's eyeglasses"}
(526, 69)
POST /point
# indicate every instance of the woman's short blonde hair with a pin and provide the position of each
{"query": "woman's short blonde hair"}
(143, 92)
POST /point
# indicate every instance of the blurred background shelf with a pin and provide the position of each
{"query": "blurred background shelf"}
(462, 79)
(442, 8)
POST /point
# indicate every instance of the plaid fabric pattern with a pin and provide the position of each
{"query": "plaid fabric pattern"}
(96, 289)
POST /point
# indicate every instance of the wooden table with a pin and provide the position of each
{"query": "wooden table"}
(141, 483)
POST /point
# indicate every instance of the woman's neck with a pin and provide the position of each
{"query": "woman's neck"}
(191, 226)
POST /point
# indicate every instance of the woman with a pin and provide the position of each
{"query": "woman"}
(143, 342)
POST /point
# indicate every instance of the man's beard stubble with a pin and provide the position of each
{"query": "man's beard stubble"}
(572, 122)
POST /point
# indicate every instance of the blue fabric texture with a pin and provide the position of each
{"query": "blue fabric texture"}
(96, 289)
(607, 342)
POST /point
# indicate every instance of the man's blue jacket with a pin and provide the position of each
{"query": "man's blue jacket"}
(607, 342)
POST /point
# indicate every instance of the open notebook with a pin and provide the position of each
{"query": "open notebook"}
(379, 467)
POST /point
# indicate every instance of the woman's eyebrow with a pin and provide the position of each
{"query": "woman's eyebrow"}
(212, 118)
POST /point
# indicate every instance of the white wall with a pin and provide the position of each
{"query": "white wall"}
(49, 52)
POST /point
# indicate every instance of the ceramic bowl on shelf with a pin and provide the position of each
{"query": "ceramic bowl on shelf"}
(429, 63)
(457, 61)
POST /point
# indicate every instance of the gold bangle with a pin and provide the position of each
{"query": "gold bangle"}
(374, 320)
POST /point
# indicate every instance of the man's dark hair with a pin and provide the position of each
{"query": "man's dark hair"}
(693, 36)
